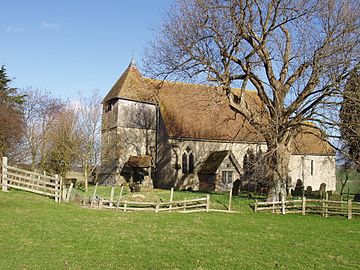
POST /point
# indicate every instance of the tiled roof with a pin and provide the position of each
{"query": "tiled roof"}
(310, 142)
(202, 112)
(213, 161)
(139, 162)
(132, 85)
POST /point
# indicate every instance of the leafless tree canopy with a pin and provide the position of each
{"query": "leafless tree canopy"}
(296, 54)
(41, 110)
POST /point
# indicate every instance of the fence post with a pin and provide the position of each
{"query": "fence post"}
(60, 187)
(100, 205)
(255, 206)
(303, 205)
(93, 196)
(230, 198)
(207, 202)
(283, 204)
(57, 194)
(64, 193)
(349, 209)
(111, 196)
(69, 192)
(4, 174)
(327, 204)
(157, 207)
(118, 201)
(171, 198)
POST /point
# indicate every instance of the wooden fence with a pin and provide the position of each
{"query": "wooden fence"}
(323, 207)
(184, 206)
(12, 177)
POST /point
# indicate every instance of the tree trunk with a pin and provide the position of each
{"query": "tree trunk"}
(86, 181)
(343, 183)
(278, 158)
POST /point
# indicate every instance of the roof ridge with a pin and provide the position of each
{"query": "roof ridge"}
(118, 85)
(191, 84)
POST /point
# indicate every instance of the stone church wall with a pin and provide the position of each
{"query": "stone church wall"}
(133, 134)
(174, 149)
(170, 173)
(323, 171)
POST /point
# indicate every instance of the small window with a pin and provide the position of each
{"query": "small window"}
(230, 177)
(108, 107)
(188, 161)
(312, 167)
(191, 163)
(224, 176)
(184, 163)
(227, 177)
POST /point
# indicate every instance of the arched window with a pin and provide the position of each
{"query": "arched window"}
(188, 161)
(184, 163)
(191, 163)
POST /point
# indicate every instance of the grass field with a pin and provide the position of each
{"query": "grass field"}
(36, 233)
(353, 184)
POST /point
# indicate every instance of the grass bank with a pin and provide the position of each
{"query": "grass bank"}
(39, 234)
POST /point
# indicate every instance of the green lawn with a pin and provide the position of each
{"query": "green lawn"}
(36, 233)
(353, 184)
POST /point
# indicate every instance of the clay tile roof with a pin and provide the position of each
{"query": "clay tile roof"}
(202, 112)
(311, 142)
(194, 111)
(132, 85)
(140, 162)
(213, 162)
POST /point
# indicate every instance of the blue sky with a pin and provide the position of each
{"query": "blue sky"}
(71, 46)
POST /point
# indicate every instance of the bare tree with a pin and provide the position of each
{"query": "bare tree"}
(64, 142)
(40, 112)
(296, 54)
(88, 130)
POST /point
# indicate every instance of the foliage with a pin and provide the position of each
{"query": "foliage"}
(39, 234)
(9, 95)
(11, 118)
(352, 185)
(350, 118)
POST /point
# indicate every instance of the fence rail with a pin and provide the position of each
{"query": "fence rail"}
(121, 203)
(16, 178)
(323, 207)
(184, 206)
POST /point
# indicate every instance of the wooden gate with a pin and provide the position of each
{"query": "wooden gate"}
(12, 177)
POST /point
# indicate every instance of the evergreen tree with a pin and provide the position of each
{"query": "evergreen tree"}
(350, 117)
(11, 117)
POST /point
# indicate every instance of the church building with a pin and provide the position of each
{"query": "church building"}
(174, 134)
